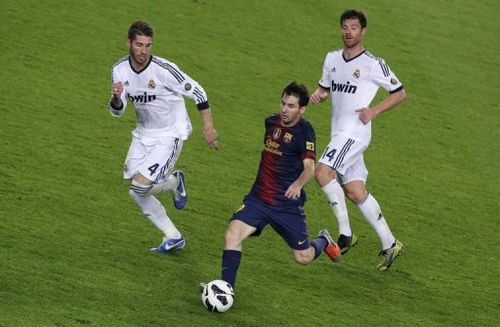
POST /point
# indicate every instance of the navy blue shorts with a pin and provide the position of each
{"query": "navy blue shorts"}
(288, 222)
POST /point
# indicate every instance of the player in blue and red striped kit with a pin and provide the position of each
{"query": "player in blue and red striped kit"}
(277, 197)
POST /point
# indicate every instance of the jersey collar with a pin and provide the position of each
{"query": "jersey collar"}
(139, 71)
(359, 54)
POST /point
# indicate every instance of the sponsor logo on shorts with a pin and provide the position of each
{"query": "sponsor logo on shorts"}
(240, 208)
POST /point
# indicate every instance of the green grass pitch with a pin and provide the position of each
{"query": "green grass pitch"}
(74, 248)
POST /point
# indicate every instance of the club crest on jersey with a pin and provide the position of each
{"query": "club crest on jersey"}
(356, 73)
(187, 87)
(152, 84)
(287, 138)
(394, 81)
(276, 133)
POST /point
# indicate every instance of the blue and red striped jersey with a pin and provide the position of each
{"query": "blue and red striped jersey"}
(281, 160)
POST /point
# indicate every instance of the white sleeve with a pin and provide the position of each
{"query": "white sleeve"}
(117, 112)
(384, 77)
(324, 82)
(181, 83)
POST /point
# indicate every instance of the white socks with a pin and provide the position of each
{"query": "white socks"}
(155, 212)
(369, 208)
(170, 183)
(336, 199)
(373, 215)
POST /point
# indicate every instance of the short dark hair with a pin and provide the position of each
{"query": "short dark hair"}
(298, 90)
(354, 14)
(140, 28)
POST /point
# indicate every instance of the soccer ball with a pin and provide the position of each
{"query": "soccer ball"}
(218, 296)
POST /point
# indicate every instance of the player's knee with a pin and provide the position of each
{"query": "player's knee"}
(232, 239)
(353, 196)
(355, 193)
(139, 189)
(324, 174)
(303, 257)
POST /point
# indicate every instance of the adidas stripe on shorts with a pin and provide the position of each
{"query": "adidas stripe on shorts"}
(345, 155)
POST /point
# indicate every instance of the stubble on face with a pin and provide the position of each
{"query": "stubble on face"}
(352, 33)
(140, 50)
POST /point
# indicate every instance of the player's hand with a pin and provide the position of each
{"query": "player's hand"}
(318, 96)
(116, 90)
(366, 115)
(315, 99)
(293, 191)
(210, 136)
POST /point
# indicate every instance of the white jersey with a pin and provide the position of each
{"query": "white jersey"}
(353, 84)
(158, 92)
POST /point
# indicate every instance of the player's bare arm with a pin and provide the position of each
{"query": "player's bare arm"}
(368, 114)
(319, 95)
(116, 91)
(209, 132)
(293, 191)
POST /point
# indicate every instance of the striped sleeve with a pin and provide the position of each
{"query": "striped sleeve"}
(183, 84)
(383, 76)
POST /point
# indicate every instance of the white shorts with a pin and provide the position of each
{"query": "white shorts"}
(154, 158)
(345, 155)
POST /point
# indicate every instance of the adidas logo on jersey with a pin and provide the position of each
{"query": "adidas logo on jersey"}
(346, 88)
(142, 98)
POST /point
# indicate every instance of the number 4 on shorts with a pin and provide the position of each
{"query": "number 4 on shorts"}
(329, 154)
(153, 168)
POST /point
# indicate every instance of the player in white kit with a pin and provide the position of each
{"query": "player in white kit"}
(352, 77)
(157, 88)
